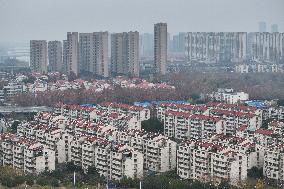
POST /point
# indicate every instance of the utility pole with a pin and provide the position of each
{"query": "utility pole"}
(74, 180)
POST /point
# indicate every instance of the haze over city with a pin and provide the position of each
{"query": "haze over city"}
(142, 94)
(33, 19)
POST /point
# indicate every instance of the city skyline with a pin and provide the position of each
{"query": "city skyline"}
(21, 23)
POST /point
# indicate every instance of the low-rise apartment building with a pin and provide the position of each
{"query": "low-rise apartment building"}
(273, 168)
(29, 156)
(208, 162)
(229, 96)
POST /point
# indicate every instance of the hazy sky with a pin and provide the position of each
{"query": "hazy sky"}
(51, 19)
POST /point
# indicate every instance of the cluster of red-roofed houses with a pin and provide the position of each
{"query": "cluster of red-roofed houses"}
(208, 142)
(41, 84)
(107, 136)
(220, 141)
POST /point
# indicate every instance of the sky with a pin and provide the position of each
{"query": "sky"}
(22, 20)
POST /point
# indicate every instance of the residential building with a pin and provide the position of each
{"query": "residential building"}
(101, 51)
(55, 56)
(38, 56)
(140, 112)
(160, 48)
(209, 162)
(180, 125)
(262, 27)
(93, 53)
(12, 88)
(178, 43)
(146, 45)
(273, 165)
(70, 53)
(229, 96)
(216, 47)
(23, 154)
(242, 68)
(274, 28)
(159, 151)
(125, 53)
(266, 47)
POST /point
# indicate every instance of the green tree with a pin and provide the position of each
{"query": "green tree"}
(54, 182)
(255, 172)
(29, 180)
(14, 126)
(152, 125)
(42, 181)
(19, 180)
(8, 181)
(224, 185)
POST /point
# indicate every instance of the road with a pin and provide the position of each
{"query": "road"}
(17, 109)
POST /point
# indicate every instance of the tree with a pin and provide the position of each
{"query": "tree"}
(29, 180)
(42, 181)
(19, 180)
(72, 76)
(30, 79)
(152, 125)
(8, 181)
(255, 172)
(54, 182)
(224, 185)
(14, 126)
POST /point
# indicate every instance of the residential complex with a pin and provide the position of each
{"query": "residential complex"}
(125, 53)
(88, 53)
(209, 142)
(160, 48)
(17, 85)
(185, 121)
(107, 136)
(266, 47)
(38, 56)
(216, 47)
(238, 47)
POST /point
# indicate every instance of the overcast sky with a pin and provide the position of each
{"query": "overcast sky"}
(51, 19)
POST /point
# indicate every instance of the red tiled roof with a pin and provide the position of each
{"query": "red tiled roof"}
(113, 115)
(204, 117)
(177, 114)
(106, 104)
(204, 144)
(242, 128)
(232, 113)
(274, 123)
(264, 131)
